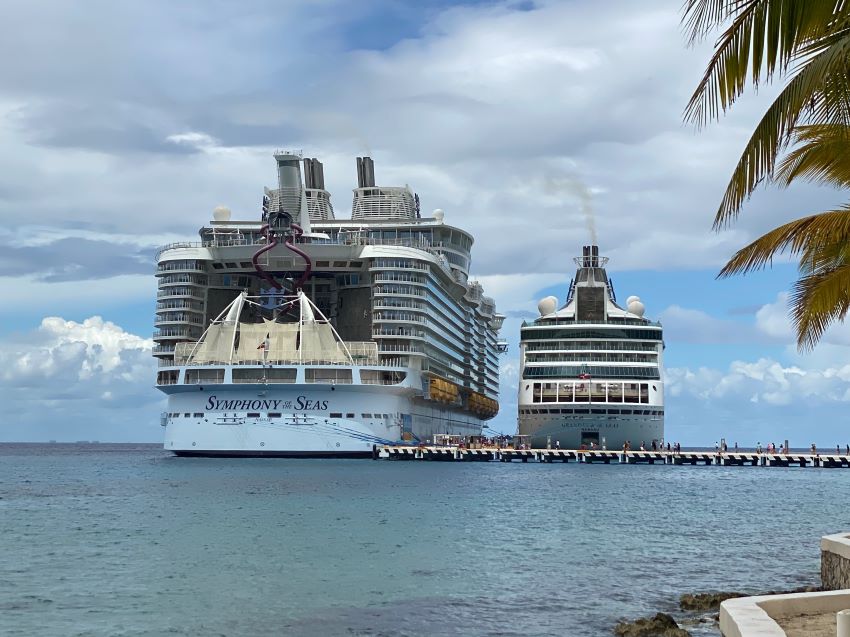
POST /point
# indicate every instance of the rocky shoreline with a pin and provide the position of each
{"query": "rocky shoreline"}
(698, 609)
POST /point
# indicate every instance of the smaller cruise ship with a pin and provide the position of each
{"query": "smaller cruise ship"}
(590, 372)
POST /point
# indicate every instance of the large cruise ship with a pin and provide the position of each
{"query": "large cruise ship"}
(590, 372)
(298, 334)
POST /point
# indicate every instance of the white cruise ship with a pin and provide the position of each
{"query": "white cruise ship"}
(590, 372)
(298, 334)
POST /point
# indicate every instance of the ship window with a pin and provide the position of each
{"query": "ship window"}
(185, 415)
(246, 264)
(175, 415)
(386, 416)
(613, 411)
(340, 264)
(626, 412)
(330, 376)
(644, 393)
(566, 411)
(349, 415)
(597, 411)
(322, 264)
(582, 411)
(366, 415)
(253, 415)
(356, 264)
(535, 411)
(274, 414)
(217, 265)
(336, 414)
(198, 415)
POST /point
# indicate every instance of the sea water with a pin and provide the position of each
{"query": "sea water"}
(128, 540)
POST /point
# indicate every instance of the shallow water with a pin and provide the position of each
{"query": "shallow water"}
(127, 540)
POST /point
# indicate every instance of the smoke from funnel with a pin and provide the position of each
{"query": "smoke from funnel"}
(572, 185)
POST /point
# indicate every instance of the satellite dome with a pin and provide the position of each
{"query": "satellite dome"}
(221, 213)
(439, 215)
(547, 305)
(636, 307)
(632, 298)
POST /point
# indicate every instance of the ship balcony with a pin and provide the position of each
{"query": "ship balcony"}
(387, 317)
(381, 292)
(400, 333)
(182, 305)
(164, 268)
(394, 268)
(177, 320)
(406, 349)
(180, 293)
(390, 278)
(385, 305)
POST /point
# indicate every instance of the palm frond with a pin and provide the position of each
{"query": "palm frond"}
(820, 155)
(809, 238)
(817, 301)
(807, 89)
(763, 37)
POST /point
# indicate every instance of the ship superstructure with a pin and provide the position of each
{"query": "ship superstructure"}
(590, 371)
(297, 333)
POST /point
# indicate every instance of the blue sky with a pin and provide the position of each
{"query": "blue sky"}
(124, 125)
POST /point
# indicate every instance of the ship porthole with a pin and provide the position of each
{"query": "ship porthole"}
(337, 444)
(333, 388)
(262, 444)
(194, 443)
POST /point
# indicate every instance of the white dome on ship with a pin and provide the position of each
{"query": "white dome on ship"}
(632, 298)
(439, 215)
(635, 306)
(547, 305)
(221, 213)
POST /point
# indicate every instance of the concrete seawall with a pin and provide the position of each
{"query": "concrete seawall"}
(835, 561)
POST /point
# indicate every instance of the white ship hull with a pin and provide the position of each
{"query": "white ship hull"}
(301, 420)
(609, 431)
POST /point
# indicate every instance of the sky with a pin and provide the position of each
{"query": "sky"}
(532, 124)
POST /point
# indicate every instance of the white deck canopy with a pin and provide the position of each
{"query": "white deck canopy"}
(310, 339)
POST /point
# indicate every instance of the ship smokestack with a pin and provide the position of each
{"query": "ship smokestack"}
(365, 172)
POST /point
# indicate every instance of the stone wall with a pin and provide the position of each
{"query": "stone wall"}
(835, 562)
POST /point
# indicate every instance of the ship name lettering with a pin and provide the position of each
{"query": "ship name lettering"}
(214, 404)
(302, 402)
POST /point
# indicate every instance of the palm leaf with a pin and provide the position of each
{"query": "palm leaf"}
(807, 238)
(763, 37)
(807, 89)
(820, 155)
(817, 301)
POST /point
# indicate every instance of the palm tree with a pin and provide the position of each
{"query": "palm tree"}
(804, 134)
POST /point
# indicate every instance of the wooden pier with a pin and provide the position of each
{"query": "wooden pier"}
(596, 456)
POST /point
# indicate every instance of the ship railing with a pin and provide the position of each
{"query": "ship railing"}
(556, 346)
(615, 322)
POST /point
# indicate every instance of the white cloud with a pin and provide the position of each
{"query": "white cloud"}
(67, 380)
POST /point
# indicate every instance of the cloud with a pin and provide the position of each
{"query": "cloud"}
(66, 380)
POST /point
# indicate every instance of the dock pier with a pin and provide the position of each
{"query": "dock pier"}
(436, 453)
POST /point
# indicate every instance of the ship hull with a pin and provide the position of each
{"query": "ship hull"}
(611, 432)
(306, 421)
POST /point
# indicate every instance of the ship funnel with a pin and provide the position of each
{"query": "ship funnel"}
(314, 174)
(365, 172)
(590, 256)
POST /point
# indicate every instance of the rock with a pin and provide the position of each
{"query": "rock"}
(662, 625)
(705, 601)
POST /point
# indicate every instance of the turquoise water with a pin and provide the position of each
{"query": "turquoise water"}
(127, 540)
